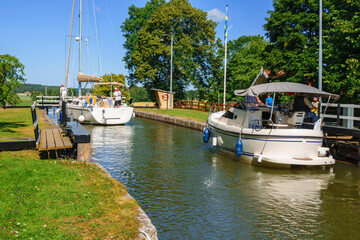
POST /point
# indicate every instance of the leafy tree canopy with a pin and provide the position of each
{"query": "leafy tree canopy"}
(139, 94)
(193, 49)
(106, 90)
(136, 20)
(245, 61)
(11, 76)
(293, 31)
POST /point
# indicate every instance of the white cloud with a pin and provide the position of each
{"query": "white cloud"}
(216, 15)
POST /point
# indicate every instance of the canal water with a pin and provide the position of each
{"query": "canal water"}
(191, 192)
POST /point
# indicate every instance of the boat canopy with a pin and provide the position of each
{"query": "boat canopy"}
(81, 77)
(285, 87)
(109, 83)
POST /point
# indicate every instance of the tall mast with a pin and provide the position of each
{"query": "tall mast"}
(320, 45)
(80, 45)
(80, 37)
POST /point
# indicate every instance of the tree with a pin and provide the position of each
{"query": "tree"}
(11, 76)
(193, 50)
(139, 94)
(130, 28)
(342, 51)
(105, 90)
(245, 61)
(293, 29)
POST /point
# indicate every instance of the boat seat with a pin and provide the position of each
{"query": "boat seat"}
(296, 119)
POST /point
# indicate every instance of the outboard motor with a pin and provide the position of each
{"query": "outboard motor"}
(206, 135)
(239, 148)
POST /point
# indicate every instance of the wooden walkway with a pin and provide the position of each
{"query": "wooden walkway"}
(52, 138)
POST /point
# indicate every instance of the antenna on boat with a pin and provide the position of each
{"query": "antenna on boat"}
(320, 52)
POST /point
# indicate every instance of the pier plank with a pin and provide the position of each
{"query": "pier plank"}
(50, 142)
(42, 143)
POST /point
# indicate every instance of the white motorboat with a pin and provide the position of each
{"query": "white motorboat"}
(93, 110)
(270, 137)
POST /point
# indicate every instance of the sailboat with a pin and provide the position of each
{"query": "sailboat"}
(93, 110)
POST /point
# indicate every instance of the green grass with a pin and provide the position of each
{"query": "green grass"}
(183, 113)
(48, 199)
(25, 100)
(15, 123)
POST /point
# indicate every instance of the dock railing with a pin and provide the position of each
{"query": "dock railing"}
(345, 115)
(49, 101)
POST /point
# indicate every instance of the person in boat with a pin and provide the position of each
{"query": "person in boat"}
(301, 104)
(315, 105)
(253, 101)
(63, 93)
(117, 96)
(269, 100)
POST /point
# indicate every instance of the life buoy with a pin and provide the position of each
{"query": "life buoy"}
(91, 100)
(164, 96)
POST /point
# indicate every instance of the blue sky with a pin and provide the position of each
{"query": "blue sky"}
(35, 32)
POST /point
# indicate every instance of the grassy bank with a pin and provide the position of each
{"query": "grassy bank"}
(15, 123)
(25, 100)
(183, 113)
(61, 200)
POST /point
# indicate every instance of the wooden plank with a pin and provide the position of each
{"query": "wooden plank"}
(66, 140)
(50, 140)
(59, 144)
(42, 143)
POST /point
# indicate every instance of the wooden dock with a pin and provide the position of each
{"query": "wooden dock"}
(53, 140)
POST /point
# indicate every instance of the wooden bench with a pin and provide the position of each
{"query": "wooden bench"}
(53, 139)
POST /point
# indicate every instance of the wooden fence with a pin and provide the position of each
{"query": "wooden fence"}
(202, 106)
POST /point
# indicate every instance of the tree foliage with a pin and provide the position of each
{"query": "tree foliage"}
(130, 28)
(139, 94)
(293, 31)
(245, 61)
(106, 90)
(11, 76)
(193, 49)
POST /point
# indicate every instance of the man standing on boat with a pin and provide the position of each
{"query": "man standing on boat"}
(117, 96)
(63, 93)
(301, 104)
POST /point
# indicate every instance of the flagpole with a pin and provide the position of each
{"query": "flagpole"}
(226, 18)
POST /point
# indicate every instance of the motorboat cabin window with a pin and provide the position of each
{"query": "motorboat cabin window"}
(229, 115)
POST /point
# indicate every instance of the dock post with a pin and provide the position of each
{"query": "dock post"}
(63, 110)
(83, 152)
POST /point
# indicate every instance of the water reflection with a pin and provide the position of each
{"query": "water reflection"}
(192, 192)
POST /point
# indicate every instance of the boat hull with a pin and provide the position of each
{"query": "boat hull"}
(101, 115)
(280, 148)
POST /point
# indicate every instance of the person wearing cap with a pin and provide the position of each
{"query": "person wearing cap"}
(117, 96)
(63, 92)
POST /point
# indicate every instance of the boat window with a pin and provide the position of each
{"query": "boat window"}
(228, 114)
(239, 105)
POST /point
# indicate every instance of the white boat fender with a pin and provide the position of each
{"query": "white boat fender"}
(214, 141)
(81, 118)
(133, 115)
(206, 135)
(239, 148)
(260, 158)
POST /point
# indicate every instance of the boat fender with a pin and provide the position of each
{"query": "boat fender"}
(214, 141)
(81, 118)
(239, 148)
(206, 135)
(260, 158)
